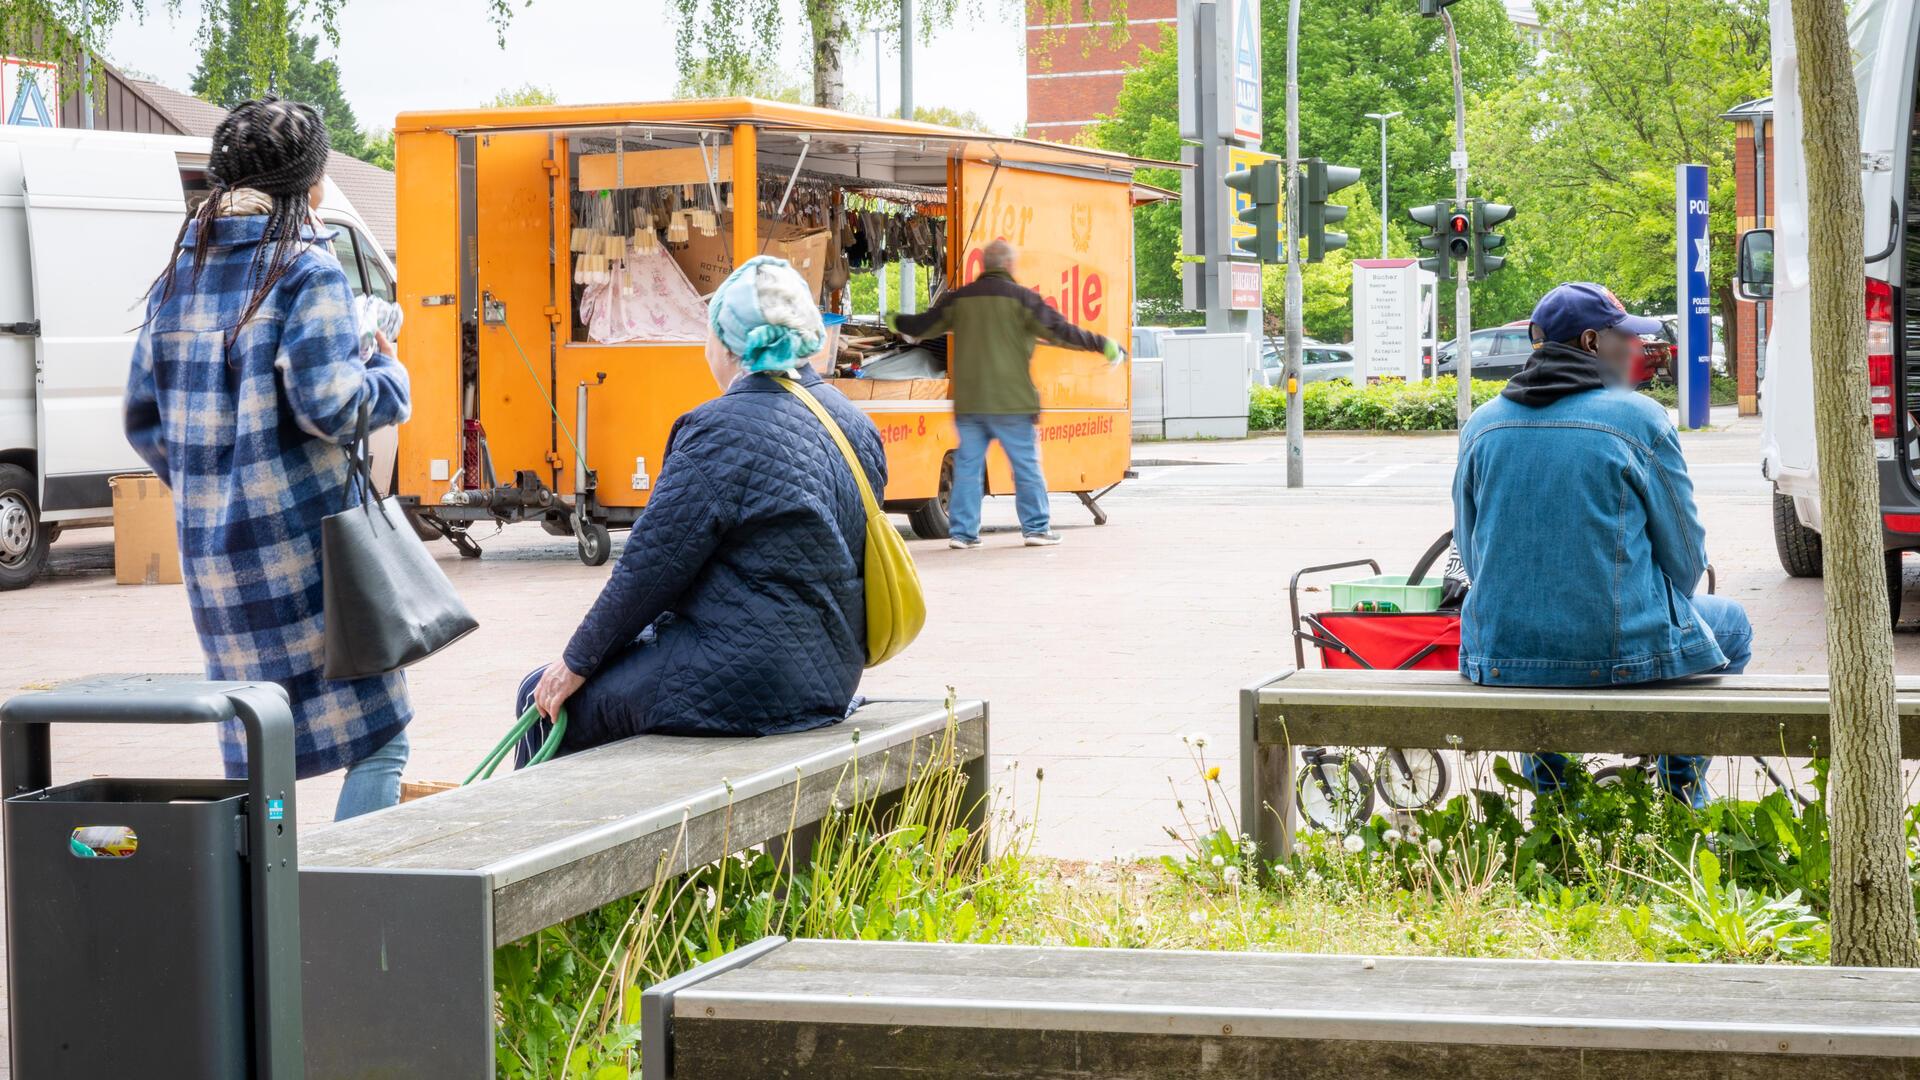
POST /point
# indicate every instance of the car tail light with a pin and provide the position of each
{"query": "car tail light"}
(1880, 357)
(1902, 523)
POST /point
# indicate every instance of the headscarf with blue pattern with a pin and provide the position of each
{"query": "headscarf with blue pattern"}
(764, 313)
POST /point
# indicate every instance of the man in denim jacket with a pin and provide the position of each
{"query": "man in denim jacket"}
(1574, 517)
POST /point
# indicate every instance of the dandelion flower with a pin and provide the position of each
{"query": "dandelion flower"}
(1196, 917)
(1213, 773)
(1232, 876)
(1219, 861)
(1353, 843)
(1434, 846)
(1391, 836)
(1141, 924)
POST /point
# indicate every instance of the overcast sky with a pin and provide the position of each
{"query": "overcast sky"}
(428, 54)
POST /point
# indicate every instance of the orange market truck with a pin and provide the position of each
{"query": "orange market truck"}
(555, 260)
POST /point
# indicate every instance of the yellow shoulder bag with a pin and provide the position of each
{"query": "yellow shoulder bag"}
(896, 608)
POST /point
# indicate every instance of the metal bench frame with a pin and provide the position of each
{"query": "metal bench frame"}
(1724, 715)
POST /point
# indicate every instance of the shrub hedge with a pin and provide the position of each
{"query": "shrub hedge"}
(1392, 405)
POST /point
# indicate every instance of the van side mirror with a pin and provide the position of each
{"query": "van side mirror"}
(1755, 277)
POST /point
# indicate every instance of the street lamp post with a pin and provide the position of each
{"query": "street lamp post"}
(1383, 118)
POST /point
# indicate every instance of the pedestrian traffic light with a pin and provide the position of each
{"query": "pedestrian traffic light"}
(1317, 181)
(1261, 183)
(1431, 8)
(1436, 217)
(1485, 216)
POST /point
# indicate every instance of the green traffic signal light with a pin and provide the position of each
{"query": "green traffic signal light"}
(1486, 215)
(1436, 218)
(1261, 184)
(1317, 181)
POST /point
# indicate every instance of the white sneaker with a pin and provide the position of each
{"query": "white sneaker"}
(958, 544)
(1045, 539)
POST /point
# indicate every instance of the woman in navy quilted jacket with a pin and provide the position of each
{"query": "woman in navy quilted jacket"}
(739, 604)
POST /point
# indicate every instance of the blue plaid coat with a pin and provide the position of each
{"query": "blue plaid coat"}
(249, 439)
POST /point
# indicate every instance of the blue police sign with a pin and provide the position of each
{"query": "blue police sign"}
(1694, 353)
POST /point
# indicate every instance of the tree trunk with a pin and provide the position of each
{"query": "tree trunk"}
(1873, 919)
(830, 36)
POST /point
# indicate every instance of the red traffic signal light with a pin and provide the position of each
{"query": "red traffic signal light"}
(1459, 235)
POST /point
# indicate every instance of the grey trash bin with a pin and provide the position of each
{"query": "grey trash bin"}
(153, 926)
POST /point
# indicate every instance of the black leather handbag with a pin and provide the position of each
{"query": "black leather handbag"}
(388, 604)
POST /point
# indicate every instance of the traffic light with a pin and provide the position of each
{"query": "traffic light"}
(1317, 181)
(1438, 218)
(1485, 216)
(1261, 183)
(1431, 8)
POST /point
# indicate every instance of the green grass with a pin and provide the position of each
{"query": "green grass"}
(1593, 873)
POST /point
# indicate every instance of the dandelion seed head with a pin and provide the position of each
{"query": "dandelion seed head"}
(1219, 861)
(1434, 846)
(1391, 836)
(1353, 843)
(1232, 876)
(1283, 870)
(1196, 917)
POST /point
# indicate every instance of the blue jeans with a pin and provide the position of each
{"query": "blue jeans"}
(373, 782)
(1016, 436)
(1678, 773)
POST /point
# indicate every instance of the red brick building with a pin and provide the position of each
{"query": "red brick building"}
(1074, 69)
(1749, 321)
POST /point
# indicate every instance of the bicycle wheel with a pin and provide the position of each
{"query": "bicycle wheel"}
(1410, 779)
(1334, 792)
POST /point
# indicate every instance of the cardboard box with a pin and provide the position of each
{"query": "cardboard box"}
(891, 389)
(707, 260)
(146, 543)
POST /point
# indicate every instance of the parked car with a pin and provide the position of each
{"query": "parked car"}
(1499, 354)
(1147, 339)
(1319, 362)
(1716, 359)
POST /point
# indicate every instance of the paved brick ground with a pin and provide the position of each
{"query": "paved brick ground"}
(1096, 656)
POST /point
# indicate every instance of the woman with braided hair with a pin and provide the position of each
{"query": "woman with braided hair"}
(247, 383)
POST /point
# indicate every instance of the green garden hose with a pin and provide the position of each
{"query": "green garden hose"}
(515, 733)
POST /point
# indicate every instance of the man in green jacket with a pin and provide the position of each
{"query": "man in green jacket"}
(995, 322)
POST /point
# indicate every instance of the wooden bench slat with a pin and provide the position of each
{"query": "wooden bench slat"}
(485, 826)
(1250, 987)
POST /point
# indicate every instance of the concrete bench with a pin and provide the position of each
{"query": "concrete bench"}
(874, 1010)
(401, 910)
(1727, 715)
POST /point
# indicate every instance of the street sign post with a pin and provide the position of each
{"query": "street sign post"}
(1692, 360)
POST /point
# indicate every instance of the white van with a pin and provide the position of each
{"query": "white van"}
(87, 219)
(1773, 265)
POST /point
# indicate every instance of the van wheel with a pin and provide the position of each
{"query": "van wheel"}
(930, 521)
(23, 541)
(1895, 585)
(1799, 546)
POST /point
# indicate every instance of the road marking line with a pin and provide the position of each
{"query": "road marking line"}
(1373, 478)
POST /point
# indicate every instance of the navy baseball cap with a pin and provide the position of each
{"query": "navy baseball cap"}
(1576, 307)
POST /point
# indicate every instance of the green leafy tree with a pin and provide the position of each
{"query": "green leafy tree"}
(525, 94)
(263, 35)
(708, 79)
(949, 116)
(1356, 57)
(1585, 143)
(733, 40)
(226, 76)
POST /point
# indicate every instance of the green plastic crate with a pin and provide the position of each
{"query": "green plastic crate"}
(1393, 589)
